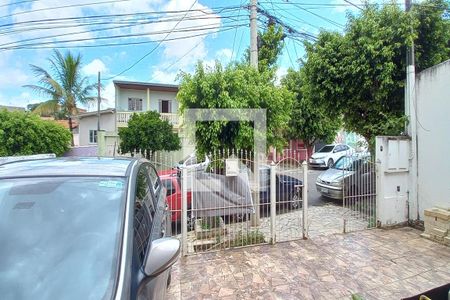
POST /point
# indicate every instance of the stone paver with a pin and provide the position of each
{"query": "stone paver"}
(377, 264)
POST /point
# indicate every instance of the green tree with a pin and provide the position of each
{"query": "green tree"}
(66, 88)
(433, 33)
(23, 133)
(270, 46)
(360, 75)
(235, 86)
(309, 121)
(147, 133)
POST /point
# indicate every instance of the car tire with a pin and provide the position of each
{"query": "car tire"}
(330, 163)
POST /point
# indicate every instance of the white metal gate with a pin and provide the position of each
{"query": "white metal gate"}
(226, 206)
(359, 193)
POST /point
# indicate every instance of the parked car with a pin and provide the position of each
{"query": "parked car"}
(171, 181)
(329, 154)
(83, 228)
(349, 176)
(288, 189)
(191, 163)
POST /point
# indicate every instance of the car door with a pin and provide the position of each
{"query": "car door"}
(147, 227)
(336, 153)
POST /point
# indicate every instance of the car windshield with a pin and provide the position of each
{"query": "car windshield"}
(59, 237)
(348, 163)
(326, 149)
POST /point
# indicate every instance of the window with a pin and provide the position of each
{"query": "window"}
(144, 212)
(170, 189)
(134, 104)
(93, 136)
(326, 149)
(165, 106)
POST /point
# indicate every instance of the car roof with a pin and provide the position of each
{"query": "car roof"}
(67, 166)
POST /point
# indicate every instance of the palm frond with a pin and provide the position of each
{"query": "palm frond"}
(48, 107)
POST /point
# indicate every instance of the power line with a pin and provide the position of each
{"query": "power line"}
(154, 48)
(54, 44)
(124, 44)
(18, 3)
(353, 5)
(194, 28)
(216, 10)
(235, 32)
(59, 7)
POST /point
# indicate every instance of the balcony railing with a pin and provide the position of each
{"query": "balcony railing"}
(124, 116)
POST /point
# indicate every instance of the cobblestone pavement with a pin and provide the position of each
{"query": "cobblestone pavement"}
(377, 264)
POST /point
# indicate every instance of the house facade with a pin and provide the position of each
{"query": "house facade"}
(136, 97)
(87, 125)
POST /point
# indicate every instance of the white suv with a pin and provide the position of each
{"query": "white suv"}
(329, 154)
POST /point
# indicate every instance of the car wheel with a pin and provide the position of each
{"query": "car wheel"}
(330, 163)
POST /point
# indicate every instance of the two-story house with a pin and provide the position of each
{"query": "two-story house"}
(135, 97)
(131, 97)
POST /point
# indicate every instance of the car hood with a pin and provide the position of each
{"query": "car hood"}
(319, 155)
(334, 175)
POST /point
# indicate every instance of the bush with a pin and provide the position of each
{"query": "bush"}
(147, 133)
(23, 133)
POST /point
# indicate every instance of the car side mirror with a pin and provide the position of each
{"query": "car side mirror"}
(162, 255)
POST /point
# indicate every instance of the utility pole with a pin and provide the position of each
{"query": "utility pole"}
(98, 103)
(411, 127)
(253, 34)
(255, 220)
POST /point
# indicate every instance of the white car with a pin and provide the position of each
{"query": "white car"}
(190, 162)
(329, 154)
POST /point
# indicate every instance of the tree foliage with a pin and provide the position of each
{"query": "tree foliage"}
(234, 86)
(360, 75)
(147, 133)
(309, 121)
(64, 86)
(23, 133)
(239, 85)
(270, 46)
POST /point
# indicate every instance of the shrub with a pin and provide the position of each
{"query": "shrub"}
(23, 133)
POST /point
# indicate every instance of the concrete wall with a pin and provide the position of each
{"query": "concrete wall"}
(433, 133)
(148, 103)
(107, 123)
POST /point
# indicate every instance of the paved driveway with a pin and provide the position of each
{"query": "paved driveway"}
(378, 264)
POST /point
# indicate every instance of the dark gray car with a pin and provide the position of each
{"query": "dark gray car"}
(83, 228)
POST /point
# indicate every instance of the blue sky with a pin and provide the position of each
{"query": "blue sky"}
(218, 37)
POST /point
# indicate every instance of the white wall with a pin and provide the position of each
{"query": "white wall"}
(155, 96)
(391, 155)
(433, 133)
(107, 123)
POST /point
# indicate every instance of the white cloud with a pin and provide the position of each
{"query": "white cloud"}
(162, 76)
(94, 67)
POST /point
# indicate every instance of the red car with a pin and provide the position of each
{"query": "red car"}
(171, 181)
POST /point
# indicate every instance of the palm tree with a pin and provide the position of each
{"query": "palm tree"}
(66, 88)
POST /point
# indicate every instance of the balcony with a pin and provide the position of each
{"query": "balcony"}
(124, 116)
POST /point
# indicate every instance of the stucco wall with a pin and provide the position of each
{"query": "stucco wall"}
(124, 94)
(107, 123)
(433, 133)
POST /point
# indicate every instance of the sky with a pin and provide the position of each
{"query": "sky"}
(143, 40)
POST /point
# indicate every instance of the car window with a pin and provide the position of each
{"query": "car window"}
(170, 188)
(191, 161)
(144, 212)
(155, 181)
(60, 237)
(326, 149)
(339, 148)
